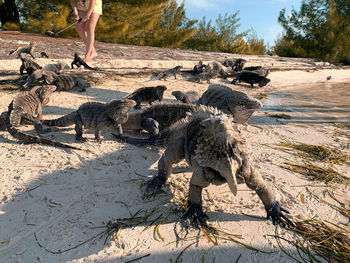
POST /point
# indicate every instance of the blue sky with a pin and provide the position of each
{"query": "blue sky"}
(261, 15)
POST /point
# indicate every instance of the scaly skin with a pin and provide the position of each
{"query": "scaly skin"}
(27, 107)
(236, 103)
(186, 96)
(147, 94)
(68, 82)
(251, 77)
(169, 72)
(28, 65)
(217, 153)
(158, 117)
(78, 62)
(94, 115)
(23, 50)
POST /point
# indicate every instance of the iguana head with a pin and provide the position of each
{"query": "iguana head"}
(44, 93)
(242, 107)
(178, 95)
(216, 147)
(263, 82)
(118, 109)
(160, 91)
(177, 68)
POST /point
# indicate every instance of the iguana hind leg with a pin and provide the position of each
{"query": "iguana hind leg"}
(173, 154)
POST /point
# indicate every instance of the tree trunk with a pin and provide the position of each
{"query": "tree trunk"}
(9, 12)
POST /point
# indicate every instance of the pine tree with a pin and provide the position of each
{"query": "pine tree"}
(8, 12)
(222, 37)
(321, 29)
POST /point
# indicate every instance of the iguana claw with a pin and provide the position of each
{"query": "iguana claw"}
(195, 215)
(275, 212)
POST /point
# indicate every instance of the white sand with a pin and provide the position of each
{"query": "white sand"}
(58, 195)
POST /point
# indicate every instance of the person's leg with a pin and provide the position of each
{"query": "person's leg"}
(90, 37)
(80, 27)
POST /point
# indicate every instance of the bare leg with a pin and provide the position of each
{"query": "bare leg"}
(90, 26)
(80, 27)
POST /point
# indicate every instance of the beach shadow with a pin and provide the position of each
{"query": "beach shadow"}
(59, 210)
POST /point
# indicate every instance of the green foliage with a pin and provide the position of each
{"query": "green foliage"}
(254, 46)
(320, 29)
(161, 23)
(223, 37)
(11, 26)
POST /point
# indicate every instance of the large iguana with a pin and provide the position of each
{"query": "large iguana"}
(250, 77)
(146, 94)
(95, 115)
(169, 72)
(26, 50)
(217, 153)
(232, 102)
(158, 117)
(68, 82)
(259, 70)
(57, 67)
(47, 75)
(27, 108)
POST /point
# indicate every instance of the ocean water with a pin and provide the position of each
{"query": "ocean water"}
(323, 103)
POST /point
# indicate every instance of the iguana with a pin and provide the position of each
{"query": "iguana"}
(207, 76)
(57, 67)
(250, 77)
(158, 117)
(48, 76)
(186, 96)
(79, 62)
(232, 102)
(27, 108)
(68, 82)
(26, 50)
(28, 65)
(147, 94)
(169, 72)
(201, 67)
(217, 68)
(43, 54)
(235, 64)
(259, 70)
(217, 153)
(95, 115)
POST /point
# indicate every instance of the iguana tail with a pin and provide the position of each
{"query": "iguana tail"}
(154, 140)
(63, 121)
(26, 138)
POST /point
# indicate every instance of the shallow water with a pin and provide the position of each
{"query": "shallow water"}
(324, 103)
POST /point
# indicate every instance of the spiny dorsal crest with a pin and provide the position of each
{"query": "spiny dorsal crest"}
(217, 138)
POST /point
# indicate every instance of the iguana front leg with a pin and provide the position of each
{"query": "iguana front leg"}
(173, 154)
(201, 178)
(98, 130)
(255, 182)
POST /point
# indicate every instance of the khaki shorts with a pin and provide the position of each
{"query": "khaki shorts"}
(97, 8)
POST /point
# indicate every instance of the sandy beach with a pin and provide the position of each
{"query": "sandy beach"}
(52, 200)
